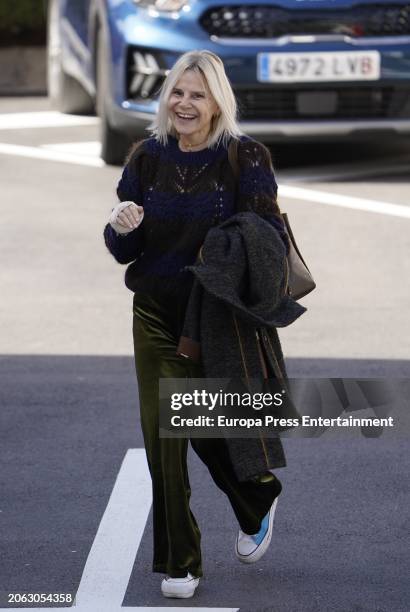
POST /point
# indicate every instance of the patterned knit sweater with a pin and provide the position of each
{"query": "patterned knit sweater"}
(184, 195)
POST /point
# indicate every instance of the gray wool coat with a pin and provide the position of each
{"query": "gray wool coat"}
(237, 301)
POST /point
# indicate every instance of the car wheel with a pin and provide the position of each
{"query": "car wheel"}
(65, 93)
(114, 145)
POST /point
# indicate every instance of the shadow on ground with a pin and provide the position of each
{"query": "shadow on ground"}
(341, 532)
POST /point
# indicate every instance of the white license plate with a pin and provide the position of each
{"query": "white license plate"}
(317, 66)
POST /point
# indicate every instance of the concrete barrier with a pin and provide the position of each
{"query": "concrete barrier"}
(23, 71)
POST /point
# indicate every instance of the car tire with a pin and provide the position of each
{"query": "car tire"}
(114, 144)
(65, 93)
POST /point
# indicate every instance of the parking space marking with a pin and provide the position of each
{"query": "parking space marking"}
(84, 154)
(88, 149)
(335, 199)
(50, 155)
(110, 561)
(43, 119)
(111, 558)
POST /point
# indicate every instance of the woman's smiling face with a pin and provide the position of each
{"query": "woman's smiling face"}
(191, 107)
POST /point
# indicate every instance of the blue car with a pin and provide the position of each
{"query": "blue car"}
(301, 69)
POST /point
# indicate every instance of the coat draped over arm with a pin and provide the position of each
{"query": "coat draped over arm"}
(238, 300)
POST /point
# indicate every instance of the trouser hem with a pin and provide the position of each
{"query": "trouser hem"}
(162, 569)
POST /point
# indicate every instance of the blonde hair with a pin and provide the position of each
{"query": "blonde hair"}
(224, 126)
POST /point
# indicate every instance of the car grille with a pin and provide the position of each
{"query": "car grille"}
(260, 21)
(335, 103)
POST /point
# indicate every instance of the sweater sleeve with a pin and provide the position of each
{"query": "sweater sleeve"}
(128, 247)
(257, 185)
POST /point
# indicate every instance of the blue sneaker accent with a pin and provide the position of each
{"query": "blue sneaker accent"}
(258, 537)
(251, 547)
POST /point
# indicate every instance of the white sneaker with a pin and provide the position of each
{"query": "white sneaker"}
(179, 587)
(250, 548)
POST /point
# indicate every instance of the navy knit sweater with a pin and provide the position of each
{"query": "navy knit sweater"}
(184, 195)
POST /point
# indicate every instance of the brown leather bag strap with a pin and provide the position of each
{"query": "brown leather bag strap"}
(233, 157)
(298, 279)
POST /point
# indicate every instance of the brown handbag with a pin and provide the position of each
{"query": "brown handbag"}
(300, 280)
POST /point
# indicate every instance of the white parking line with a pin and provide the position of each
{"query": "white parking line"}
(81, 155)
(88, 149)
(111, 558)
(334, 199)
(43, 119)
(50, 155)
(110, 561)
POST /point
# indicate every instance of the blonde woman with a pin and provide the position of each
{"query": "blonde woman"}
(175, 187)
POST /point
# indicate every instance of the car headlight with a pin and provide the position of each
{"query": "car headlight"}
(163, 5)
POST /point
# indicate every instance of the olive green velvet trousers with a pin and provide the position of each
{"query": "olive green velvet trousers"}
(177, 536)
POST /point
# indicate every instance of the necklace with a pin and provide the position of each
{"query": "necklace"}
(191, 147)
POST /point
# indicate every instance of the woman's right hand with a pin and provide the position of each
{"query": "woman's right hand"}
(126, 217)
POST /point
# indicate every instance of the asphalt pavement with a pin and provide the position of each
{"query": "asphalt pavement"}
(75, 513)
